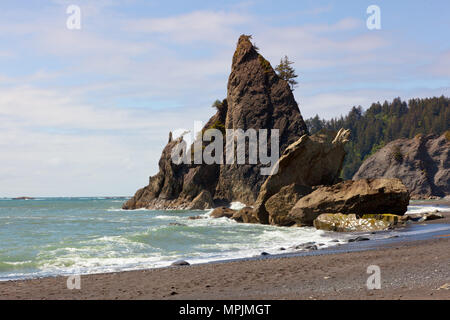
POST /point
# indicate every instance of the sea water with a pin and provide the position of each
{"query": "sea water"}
(62, 236)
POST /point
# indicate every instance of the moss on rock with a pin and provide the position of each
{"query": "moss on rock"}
(265, 64)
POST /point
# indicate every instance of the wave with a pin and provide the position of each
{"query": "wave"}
(127, 210)
(237, 205)
(16, 265)
(413, 209)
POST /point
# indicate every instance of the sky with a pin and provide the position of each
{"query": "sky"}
(86, 112)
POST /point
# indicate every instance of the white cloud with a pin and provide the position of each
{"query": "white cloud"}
(54, 145)
(207, 26)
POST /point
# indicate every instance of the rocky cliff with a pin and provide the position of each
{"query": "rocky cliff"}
(256, 99)
(422, 164)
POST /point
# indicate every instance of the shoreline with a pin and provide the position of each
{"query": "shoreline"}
(377, 240)
(331, 273)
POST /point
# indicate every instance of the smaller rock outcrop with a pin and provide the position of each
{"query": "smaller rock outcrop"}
(222, 212)
(375, 196)
(422, 164)
(23, 198)
(245, 215)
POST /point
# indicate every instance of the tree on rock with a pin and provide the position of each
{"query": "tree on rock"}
(286, 72)
(217, 104)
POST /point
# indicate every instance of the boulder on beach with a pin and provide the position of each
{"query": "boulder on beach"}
(351, 222)
(279, 205)
(309, 246)
(374, 196)
(358, 239)
(310, 161)
(180, 263)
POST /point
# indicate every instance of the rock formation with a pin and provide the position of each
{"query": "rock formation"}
(245, 215)
(221, 212)
(367, 196)
(305, 182)
(258, 99)
(279, 205)
(422, 164)
(310, 161)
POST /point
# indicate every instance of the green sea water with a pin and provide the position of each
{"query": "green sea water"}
(61, 236)
(58, 236)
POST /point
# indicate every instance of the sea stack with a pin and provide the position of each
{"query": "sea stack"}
(256, 99)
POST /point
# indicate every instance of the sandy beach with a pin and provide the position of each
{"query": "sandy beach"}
(409, 270)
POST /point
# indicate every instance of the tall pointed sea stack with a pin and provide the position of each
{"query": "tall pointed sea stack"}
(257, 99)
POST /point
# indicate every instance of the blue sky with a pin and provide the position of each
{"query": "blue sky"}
(87, 112)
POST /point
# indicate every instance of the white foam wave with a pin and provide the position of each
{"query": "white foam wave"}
(237, 205)
(132, 244)
(164, 217)
(414, 209)
(127, 210)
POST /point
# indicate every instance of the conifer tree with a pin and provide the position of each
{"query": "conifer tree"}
(286, 72)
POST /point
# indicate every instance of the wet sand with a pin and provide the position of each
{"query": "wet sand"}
(409, 270)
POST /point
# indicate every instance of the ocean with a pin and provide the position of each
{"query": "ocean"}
(63, 236)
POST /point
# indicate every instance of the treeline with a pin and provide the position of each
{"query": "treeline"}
(382, 123)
